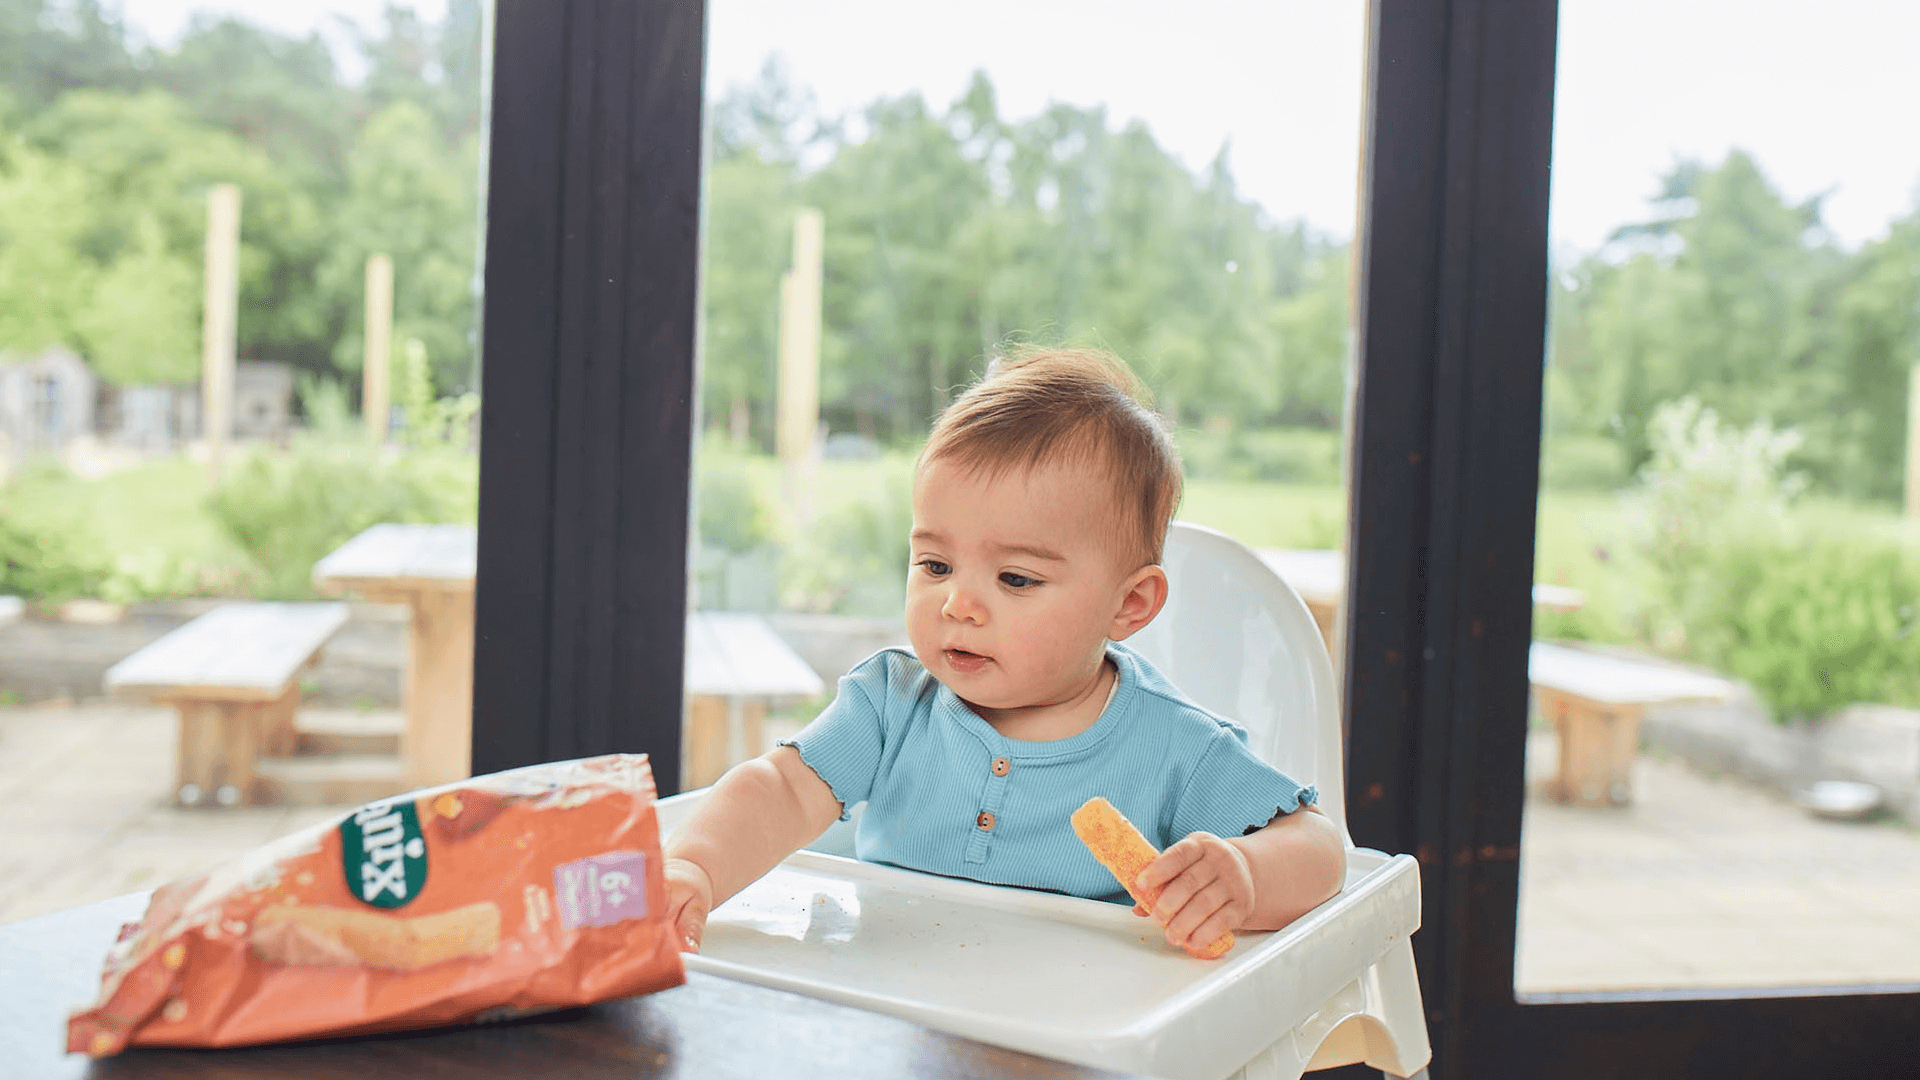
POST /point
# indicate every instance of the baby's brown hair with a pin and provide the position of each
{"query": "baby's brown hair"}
(1036, 405)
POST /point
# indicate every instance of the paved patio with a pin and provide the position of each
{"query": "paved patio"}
(1700, 883)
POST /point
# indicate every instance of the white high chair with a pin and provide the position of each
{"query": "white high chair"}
(1088, 981)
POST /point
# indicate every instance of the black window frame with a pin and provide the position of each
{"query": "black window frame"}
(589, 329)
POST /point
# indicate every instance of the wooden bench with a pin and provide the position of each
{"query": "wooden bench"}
(1595, 702)
(233, 674)
(736, 667)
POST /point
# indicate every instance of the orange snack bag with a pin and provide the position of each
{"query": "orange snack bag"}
(528, 890)
(1121, 849)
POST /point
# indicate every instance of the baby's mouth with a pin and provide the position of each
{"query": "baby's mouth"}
(966, 662)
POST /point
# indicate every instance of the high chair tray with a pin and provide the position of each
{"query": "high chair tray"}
(1079, 980)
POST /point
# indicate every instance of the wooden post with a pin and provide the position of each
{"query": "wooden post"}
(378, 338)
(798, 413)
(219, 320)
(1913, 442)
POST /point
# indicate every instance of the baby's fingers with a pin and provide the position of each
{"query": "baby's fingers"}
(1170, 864)
(1204, 917)
(690, 931)
(689, 922)
(1183, 890)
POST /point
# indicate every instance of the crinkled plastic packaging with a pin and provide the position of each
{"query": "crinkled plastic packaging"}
(519, 892)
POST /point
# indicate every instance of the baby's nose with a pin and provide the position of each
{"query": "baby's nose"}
(963, 606)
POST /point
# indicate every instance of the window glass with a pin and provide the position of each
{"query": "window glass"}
(211, 217)
(1722, 756)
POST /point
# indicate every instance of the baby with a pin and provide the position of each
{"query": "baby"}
(1040, 505)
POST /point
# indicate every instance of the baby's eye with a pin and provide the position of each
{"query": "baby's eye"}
(934, 567)
(1017, 581)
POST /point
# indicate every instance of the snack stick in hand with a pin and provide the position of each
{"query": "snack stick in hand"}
(1122, 850)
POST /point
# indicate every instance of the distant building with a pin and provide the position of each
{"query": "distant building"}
(262, 399)
(45, 400)
(150, 419)
(50, 400)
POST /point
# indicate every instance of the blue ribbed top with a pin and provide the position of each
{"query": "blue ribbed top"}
(925, 765)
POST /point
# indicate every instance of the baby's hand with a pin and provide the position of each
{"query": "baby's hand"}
(1206, 889)
(689, 898)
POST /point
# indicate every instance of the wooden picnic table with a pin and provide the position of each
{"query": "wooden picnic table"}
(710, 1027)
(430, 569)
(736, 666)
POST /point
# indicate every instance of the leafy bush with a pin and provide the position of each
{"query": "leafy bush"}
(736, 561)
(430, 423)
(1706, 488)
(43, 563)
(854, 559)
(1816, 625)
(153, 574)
(731, 513)
(1720, 574)
(287, 510)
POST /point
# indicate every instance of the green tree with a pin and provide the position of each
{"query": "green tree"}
(49, 47)
(413, 199)
(1310, 343)
(1876, 345)
(900, 306)
(152, 166)
(142, 324)
(1721, 295)
(749, 240)
(280, 95)
(47, 207)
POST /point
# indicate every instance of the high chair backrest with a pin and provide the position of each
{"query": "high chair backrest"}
(1238, 640)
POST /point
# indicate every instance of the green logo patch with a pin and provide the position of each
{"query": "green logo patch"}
(383, 853)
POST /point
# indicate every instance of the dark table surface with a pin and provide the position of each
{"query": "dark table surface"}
(711, 1027)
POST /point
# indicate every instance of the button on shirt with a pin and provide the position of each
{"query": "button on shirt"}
(946, 793)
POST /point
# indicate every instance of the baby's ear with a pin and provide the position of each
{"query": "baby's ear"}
(1145, 593)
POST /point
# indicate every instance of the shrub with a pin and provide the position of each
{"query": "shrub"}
(736, 562)
(288, 510)
(1814, 619)
(1816, 625)
(153, 574)
(854, 559)
(1705, 488)
(45, 563)
(731, 513)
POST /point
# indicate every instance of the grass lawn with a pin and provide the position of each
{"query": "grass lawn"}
(158, 507)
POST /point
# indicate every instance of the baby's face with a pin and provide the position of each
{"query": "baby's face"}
(1014, 582)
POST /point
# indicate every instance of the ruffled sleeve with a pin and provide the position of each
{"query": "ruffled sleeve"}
(1232, 792)
(843, 745)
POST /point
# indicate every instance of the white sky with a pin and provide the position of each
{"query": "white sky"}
(1821, 92)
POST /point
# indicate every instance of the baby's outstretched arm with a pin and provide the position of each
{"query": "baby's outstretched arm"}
(760, 812)
(1261, 881)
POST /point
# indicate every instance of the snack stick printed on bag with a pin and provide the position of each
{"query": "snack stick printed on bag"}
(502, 895)
(1121, 849)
